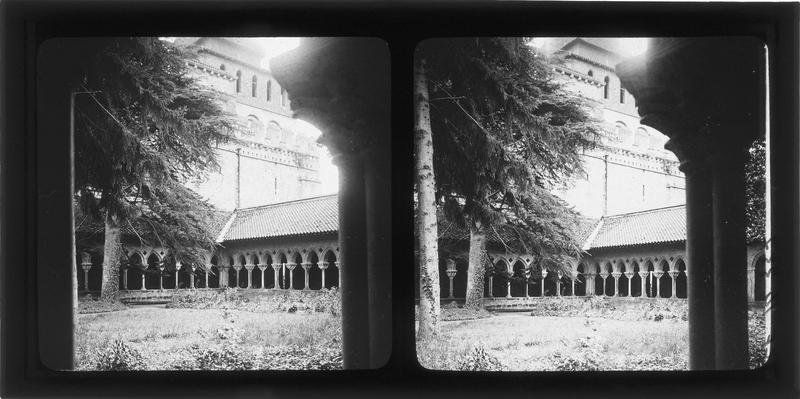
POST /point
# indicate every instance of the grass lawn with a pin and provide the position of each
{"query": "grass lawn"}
(530, 343)
(583, 334)
(163, 336)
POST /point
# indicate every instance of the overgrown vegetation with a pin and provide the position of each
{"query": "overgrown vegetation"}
(87, 304)
(293, 301)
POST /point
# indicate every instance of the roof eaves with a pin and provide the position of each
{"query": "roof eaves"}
(224, 231)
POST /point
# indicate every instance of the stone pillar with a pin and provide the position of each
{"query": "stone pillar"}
(323, 266)
(191, 276)
(262, 267)
(629, 275)
(451, 273)
(161, 275)
(177, 272)
(544, 276)
(205, 272)
(249, 267)
(643, 278)
(730, 253)
(590, 284)
(572, 282)
(125, 279)
(672, 275)
(559, 275)
(86, 265)
(276, 267)
(657, 274)
(238, 268)
(604, 276)
(291, 267)
(491, 284)
(616, 276)
(223, 276)
(508, 289)
(306, 267)
(699, 256)
(751, 283)
(144, 288)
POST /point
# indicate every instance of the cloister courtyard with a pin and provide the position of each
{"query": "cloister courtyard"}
(572, 334)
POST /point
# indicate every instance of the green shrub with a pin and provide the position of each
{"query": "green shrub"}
(118, 356)
(296, 357)
(479, 359)
(88, 305)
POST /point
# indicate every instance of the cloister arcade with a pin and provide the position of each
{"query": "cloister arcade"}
(282, 269)
(656, 272)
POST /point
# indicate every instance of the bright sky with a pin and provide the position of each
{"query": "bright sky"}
(630, 46)
(329, 173)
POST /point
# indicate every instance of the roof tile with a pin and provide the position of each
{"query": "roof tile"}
(646, 227)
(304, 216)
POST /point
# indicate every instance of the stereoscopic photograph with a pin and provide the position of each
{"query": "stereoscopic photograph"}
(218, 196)
(591, 203)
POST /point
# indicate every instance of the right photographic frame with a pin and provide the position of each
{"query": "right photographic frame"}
(592, 203)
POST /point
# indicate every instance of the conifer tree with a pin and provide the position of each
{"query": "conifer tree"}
(505, 132)
(145, 129)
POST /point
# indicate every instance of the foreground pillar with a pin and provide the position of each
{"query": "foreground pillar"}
(306, 267)
(730, 256)
(658, 275)
(291, 267)
(629, 275)
(249, 267)
(323, 266)
(238, 268)
(643, 278)
(276, 267)
(263, 267)
(616, 276)
(673, 274)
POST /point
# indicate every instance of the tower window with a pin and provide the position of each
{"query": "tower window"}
(269, 90)
(283, 97)
(606, 87)
(591, 73)
(255, 86)
(238, 81)
(621, 96)
(221, 67)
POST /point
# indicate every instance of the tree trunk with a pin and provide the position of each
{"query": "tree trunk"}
(476, 270)
(426, 224)
(112, 253)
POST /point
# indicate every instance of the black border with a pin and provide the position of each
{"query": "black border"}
(25, 24)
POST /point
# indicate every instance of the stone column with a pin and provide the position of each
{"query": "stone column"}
(643, 278)
(143, 269)
(306, 267)
(491, 285)
(177, 272)
(191, 276)
(125, 279)
(276, 267)
(657, 274)
(672, 275)
(572, 282)
(223, 276)
(590, 284)
(616, 276)
(544, 276)
(161, 275)
(263, 267)
(291, 267)
(559, 275)
(205, 272)
(629, 275)
(508, 289)
(730, 251)
(86, 265)
(751, 283)
(451, 273)
(604, 276)
(323, 266)
(249, 267)
(238, 268)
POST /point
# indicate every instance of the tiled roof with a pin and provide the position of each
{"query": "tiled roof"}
(305, 216)
(652, 226)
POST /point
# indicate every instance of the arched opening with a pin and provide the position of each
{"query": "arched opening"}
(213, 275)
(314, 272)
(518, 280)
(550, 286)
(283, 273)
(152, 273)
(623, 282)
(642, 139)
(621, 95)
(623, 134)
(256, 273)
(242, 281)
(254, 86)
(598, 281)
(134, 273)
(680, 280)
(580, 281)
(609, 280)
(649, 282)
(636, 281)
(606, 87)
(269, 272)
(269, 90)
(500, 279)
(232, 283)
(298, 275)
(332, 273)
(665, 290)
(760, 280)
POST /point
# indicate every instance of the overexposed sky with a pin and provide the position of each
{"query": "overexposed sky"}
(628, 46)
(329, 173)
